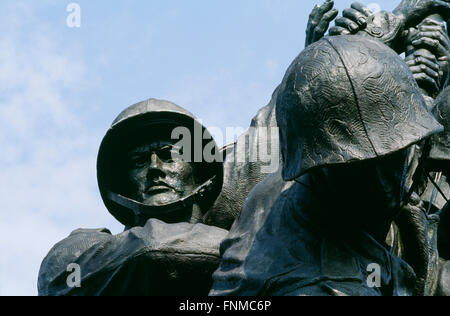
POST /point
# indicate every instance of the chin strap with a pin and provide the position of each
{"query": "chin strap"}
(143, 210)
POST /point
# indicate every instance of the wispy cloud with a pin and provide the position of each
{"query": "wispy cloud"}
(47, 162)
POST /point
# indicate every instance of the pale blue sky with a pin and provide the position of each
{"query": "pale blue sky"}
(61, 87)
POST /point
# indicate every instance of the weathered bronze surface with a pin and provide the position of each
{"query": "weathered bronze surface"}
(341, 117)
(358, 206)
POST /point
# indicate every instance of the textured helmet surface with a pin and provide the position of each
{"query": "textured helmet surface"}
(346, 99)
(144, 119)
(440, 143)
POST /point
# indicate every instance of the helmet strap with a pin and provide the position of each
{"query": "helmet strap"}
(187, 207)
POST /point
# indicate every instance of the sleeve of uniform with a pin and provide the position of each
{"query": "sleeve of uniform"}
(64, 253)
(157, 259)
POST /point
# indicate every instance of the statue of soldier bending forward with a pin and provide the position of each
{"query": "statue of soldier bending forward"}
(349, 111)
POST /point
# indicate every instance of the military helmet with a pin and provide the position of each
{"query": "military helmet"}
(440, 143)
(141, 120)
(346, 99)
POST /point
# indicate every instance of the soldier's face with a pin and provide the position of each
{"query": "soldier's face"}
(155, 176)
(377, 184)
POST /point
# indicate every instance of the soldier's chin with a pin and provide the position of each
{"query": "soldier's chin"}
(161, 199)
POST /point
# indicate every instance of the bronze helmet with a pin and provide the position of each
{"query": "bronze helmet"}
(346, 99)
(144, 118)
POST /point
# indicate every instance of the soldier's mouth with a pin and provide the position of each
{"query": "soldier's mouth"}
(158, 189)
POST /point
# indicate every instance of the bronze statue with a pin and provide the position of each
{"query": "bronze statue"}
(161, 195)
(142, 174)
(347, 121)
(427, 48)
(362, 159)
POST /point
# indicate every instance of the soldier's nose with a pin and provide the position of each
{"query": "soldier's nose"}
(155, 167)
(155, 162)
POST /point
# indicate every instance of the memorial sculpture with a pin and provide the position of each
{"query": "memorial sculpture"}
(340, 101)
(132, 209)
(356, 20)
(428, 55)
(318, 225)
(161, 199)
(431, 34)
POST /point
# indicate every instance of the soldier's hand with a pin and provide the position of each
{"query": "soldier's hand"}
(353, 20)
(319, 21)
(425, 68)
(432, 36)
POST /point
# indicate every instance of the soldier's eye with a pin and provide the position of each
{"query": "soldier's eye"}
(165, 154)
(138, 161)
(170, 153)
